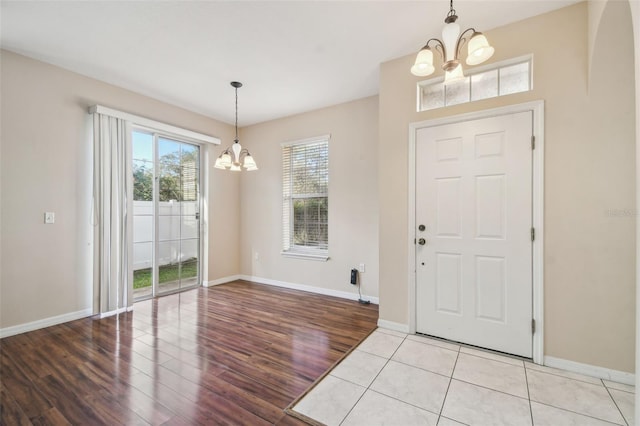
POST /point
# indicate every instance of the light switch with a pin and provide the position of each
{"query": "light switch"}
(361, 267)
(49, 217)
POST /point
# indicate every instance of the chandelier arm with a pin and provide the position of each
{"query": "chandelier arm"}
(462, 40)
(438, 46)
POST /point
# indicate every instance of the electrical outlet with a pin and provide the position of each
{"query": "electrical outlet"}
(361, 267)
(49, 217)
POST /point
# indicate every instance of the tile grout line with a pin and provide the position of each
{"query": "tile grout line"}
(423, 369)
(448, 387)
(526, 379)
(615, 403)
(491, 389)
(578, 413)
(535, 370)
(403, 401)
(374, 379)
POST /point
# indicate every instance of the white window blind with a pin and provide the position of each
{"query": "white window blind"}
(305, 189)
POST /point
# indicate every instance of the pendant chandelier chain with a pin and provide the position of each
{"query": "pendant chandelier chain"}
(451, 14)
(236, 140)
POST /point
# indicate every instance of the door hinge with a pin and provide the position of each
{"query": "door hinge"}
(533, 326)
(533, 234)
(533, 142)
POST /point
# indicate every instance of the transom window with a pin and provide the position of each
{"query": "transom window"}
(498, 79)
(305, 193)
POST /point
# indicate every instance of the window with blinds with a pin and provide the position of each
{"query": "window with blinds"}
(305, 191)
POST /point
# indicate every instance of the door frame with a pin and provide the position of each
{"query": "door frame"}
(203, 177)
(537, 107)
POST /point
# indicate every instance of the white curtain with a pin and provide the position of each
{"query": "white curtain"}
(112, 206)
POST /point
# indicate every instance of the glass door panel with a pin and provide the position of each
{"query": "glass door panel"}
(190, 215)
(176, 222)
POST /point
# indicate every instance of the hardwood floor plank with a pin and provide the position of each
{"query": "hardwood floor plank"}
(233, 354)
(50, 417)
(288, 420)
(10, 411)
(201, 407)
(74, 408)
(21, 388)
(265, 392)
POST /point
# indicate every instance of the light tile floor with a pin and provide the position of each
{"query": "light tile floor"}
(397, 379)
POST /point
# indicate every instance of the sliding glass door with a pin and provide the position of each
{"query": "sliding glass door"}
(166, 215)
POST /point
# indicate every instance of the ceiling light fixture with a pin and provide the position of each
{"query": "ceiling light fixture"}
(478, 47)
(235, 157)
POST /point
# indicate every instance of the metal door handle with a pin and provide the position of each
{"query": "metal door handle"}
(422, 241)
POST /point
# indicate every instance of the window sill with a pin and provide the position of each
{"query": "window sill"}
(306, 256)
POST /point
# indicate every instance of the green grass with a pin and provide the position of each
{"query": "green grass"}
(142, 278)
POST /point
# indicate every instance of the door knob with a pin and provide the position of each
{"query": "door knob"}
(422, 241)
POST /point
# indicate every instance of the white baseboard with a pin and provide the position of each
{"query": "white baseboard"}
(395, 326)
(309, 289)
(222, 280)
(116, 312)
(45, 322)
(591, 370)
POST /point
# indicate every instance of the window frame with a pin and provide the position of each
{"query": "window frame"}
(289, 249)
(497, 66)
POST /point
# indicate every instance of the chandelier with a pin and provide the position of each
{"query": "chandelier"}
(235, 157)
(449, 48)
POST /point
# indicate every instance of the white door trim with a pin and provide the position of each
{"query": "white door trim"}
(537, 214)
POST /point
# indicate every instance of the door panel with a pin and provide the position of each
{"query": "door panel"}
(448, 283)
(473, 193)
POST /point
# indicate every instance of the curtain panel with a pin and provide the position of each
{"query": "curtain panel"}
(112, 218)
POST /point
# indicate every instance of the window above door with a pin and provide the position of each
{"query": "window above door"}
(497, 79)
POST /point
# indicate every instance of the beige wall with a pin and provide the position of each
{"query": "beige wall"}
(46, 166)
(589, 279)
(353, 201)
(635, 15)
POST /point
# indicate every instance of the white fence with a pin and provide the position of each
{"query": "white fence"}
(178, 232)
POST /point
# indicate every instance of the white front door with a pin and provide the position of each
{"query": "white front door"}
(473, 232)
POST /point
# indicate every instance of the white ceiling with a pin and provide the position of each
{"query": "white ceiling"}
(291, 56)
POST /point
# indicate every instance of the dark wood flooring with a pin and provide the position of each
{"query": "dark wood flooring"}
(238, 353)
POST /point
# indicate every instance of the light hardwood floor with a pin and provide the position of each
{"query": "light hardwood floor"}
(237, 353)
